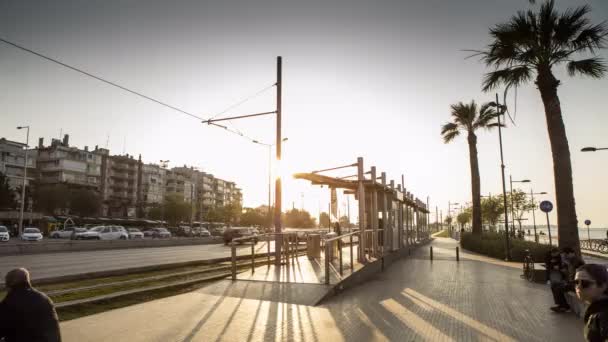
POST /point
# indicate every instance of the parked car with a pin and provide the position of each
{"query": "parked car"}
(149, 232)
(161, 233)
(4, 235)
(239, 232)
(105, 233)
(31, 234)
(135, 233)
(67, 233)
(204, 232)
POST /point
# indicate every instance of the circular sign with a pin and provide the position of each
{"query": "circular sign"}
(546, 206)
(587, 222)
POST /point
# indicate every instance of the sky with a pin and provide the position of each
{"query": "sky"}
(360, 79)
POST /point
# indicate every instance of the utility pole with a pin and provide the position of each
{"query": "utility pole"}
(27, 142)
(504, 186)
(278, 194)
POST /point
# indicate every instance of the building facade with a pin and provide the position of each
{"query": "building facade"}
(12, 158)
(120, 185)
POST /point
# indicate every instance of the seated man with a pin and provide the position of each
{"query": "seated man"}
(569, 263)
(25, 313)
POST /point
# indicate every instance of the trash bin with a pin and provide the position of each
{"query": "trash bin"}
(313, 246)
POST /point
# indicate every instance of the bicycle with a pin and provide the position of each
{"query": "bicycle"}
(528, 266)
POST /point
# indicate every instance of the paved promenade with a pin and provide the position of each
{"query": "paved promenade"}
(413, 300)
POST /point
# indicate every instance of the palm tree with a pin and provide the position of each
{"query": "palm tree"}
(527, 47)
(466, 118)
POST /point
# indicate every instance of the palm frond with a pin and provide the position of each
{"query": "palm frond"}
(592, 67)
(450, 136)
(591, 38)
(513, 76)
(487, 115)
(461, 113)
(569, 24)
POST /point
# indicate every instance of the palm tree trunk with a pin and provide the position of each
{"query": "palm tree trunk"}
(475, 183)
(567, 223)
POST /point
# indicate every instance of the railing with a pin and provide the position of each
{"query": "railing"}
(597, 245)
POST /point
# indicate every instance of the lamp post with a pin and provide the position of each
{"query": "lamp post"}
(534, 210)
(593, 149)
(500, 111)
(27, 141)
(450, 214)
(511, 181)
(270, 146)
(163, 164)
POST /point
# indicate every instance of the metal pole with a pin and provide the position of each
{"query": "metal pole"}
(588, 235)
(327, 248)
(352, 261)
(269, 188)
(278, 194)
(512, 204)
(27, 142)
(374, 213)
(361, 191)
(457, 254)
(504, 187)
(340, 251)
(233, 258)
(533, 215)
(252, 258)
(268, 249)
(431, 251)
(549, 229)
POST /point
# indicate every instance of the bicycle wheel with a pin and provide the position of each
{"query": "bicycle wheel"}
(530, 276)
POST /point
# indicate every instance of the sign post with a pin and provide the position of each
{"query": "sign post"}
(546, 207)
(588, 223)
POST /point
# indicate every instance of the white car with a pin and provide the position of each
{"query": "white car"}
(205, 233)
(31, 234)
(67, 233)
(105, 233)
(4, 235)
(135, 233)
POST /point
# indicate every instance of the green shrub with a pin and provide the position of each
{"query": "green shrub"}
(493, 245)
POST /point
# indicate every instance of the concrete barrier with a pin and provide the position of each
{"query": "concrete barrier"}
(84, 245)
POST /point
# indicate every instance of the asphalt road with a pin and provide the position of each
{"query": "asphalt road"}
(70, 263)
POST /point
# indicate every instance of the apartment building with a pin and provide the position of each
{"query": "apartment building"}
(121, 179)
(65, 164)
(12, 155)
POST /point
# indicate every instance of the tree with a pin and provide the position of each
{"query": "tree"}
(464, 217)
(299, 219)
(344, 223)
(7, 195)
(466, 118)
(49, 198)
(85, 202)
(492, 209)
(526, 48)
(324, 220)
(254, 217)
(521, 204)
(176, 209)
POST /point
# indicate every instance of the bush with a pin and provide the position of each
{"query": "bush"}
(493, 245)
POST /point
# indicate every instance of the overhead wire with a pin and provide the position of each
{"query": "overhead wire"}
(101, 79)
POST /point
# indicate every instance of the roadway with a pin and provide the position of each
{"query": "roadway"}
(70, 263)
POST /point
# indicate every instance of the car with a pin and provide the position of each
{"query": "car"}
(67, 233)
(135, 233)
(149, 233)
(239, 232)
(204, 232)
(31, 234)
(161, 233)
(105, 233)
(4, 235)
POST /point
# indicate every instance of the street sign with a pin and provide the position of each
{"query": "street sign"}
(546, 206)
(587, 222)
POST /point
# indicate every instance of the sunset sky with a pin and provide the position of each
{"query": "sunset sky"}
(361, 78)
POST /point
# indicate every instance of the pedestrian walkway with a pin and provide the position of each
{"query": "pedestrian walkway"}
(414, 299)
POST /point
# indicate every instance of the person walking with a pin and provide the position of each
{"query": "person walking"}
(591, 284)
(26, 314)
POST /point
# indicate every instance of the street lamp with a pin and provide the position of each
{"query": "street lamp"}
(533, 210)
(593, 149)
(270, 146)
(511, 181)
(163, 164)
(27, 141)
